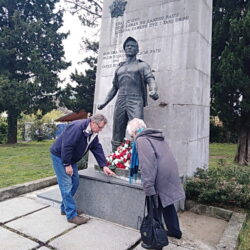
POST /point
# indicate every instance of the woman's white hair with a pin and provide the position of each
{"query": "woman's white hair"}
(134, 125)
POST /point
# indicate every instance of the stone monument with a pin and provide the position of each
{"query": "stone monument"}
(174, 38)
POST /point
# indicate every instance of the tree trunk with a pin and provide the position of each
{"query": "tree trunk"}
(243, 152)
(12, 126)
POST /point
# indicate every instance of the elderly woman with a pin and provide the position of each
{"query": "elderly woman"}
(160, 177)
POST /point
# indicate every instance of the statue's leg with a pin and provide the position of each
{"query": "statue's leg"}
(135, 108)
(120, 121)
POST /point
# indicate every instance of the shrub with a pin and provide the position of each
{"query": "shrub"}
(40, 131)
(220, 186)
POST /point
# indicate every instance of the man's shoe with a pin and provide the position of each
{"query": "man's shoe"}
(177, 236)
(149, 247)
(78, 220)
(77, 211)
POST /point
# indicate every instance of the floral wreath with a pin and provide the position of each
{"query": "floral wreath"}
(121, 157)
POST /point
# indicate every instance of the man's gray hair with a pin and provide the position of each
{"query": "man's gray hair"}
(97, 118)
(134, 125)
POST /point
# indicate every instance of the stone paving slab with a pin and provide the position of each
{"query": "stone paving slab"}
(34, 194)
(52, 194)
(201, 228)
(16, 207)
(53, 202)
(97, 235)
(13, 241)
(198, 233)
(42, 225)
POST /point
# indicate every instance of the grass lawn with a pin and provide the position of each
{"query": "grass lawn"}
(221, 154)
(24, 162)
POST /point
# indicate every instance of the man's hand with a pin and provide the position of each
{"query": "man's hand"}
(108, 172)
(69, 170)
(153, 95)
(100, 106)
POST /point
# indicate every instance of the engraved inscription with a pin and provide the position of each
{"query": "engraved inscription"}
(138, 24)
(112, 58)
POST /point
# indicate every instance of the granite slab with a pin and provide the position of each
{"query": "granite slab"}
(12, 241)
(16, 207)
(42, 225)
(97, 235)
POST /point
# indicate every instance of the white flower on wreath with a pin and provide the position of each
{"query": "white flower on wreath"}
(127, 164)
(116, 161)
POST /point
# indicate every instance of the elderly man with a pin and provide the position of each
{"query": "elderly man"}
(78, 137)
(131, 79)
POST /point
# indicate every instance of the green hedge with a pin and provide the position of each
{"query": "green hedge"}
(224, 186)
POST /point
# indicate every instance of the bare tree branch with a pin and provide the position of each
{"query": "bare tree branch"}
(89, 11)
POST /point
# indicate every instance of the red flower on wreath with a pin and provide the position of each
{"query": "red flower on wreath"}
(121, 157)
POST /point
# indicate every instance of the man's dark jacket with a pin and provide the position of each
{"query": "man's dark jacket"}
(72, 144)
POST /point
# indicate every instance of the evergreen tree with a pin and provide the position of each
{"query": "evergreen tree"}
(31, 56)
(82, 95)
(231, 70)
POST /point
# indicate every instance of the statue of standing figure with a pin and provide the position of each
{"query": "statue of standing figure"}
(130, 81)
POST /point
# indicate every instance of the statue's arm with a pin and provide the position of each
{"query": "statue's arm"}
(150, 80)
(111, 94)
(152, 87)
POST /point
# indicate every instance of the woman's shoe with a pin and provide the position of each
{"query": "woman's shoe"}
(149, 247)
(177, 236)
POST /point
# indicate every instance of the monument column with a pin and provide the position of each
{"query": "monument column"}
(174, 38)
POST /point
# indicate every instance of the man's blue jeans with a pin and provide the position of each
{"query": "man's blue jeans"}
(68, 186)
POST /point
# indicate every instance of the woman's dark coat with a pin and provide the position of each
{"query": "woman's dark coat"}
(158, 167)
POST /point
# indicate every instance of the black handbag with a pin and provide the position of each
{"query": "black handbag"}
(152, 231)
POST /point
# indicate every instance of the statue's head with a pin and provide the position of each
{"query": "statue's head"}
(133, 43)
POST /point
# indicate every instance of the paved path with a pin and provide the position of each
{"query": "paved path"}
(26, 223)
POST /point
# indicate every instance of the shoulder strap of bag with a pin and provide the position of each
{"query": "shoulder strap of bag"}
(155, 208)
(145, 204)
(150, 207)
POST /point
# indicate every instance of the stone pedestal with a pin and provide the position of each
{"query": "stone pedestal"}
(174, 37)
(112, 199)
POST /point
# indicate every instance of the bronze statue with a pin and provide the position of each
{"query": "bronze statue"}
(131, 79)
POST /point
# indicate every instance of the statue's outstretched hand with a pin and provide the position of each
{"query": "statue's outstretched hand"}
(100, 106)
(153, 95)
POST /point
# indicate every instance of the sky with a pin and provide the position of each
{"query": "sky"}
(72, 45)
(73, 51)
